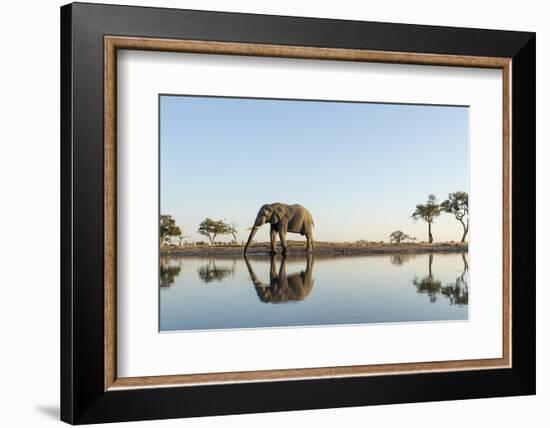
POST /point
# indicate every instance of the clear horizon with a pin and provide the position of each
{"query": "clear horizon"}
(359, 168)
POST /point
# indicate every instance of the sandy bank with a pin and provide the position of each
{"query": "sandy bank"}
(321, 248)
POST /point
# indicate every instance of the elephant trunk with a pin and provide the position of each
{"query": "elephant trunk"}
(252, 233)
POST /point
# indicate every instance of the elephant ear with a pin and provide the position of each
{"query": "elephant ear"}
(279, 214)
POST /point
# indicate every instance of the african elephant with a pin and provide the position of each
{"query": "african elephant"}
(282, 287)
(284, 218)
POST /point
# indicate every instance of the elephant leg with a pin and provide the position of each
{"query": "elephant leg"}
(309, 245)
(309, 264)
(282, 237)
(283, 277)
(273, 237)
(273, 268)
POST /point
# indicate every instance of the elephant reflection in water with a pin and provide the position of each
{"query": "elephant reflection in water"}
(456, 292)
(282, 287)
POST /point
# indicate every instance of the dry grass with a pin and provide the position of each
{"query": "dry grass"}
(324, 248)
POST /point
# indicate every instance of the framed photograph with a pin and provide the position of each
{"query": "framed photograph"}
(266, 213)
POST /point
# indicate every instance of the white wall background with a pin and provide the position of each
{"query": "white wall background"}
(29, 219)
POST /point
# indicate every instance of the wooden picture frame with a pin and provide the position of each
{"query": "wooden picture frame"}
(91, 390)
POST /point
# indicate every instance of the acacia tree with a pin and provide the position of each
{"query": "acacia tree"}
(168, 227)
(427, 212)
(399, 236)
(457, 204)
(212, 228)
(232, 230)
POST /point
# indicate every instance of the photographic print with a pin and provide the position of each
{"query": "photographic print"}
(294, 183)
(294, 213)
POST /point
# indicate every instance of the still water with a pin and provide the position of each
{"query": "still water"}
(263, 291)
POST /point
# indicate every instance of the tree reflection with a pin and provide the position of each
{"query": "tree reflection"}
(428, 285)
(457, 292)
(400, 259)
(212, 273)
(169, 270)
(282, 287)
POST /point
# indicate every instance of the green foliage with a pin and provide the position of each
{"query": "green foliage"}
(457, 205)
(212, 228)
(428, 212)
(168, 227)
(399, 237)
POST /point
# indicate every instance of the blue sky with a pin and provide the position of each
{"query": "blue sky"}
(359, 168)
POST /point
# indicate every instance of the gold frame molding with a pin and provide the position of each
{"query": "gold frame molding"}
(113, 43)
